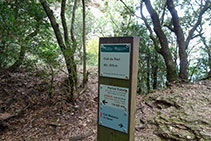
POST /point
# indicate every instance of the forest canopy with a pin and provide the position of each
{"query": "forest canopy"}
(56, 36)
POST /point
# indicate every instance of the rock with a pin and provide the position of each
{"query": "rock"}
(182, 114)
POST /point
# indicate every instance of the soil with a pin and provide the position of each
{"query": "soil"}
(28, 112)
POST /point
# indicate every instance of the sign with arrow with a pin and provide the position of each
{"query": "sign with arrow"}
(104, 102)
(113, 107)
(116, 97)
(113, 118)
(117, 73)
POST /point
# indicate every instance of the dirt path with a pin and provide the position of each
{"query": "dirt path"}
(39, 117)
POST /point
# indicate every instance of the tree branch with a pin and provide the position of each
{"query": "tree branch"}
(175, 19)
(156, 23)
(64, 24)
(149, 28)
(54, 24)
(203, 10)
(85, 77)
(131, 11)
(72, 25)
(169, 27)
(164, 10)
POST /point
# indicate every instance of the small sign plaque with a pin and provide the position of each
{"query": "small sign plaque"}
(116, 97)
(114, 118)
(115, 60)
(113, 112)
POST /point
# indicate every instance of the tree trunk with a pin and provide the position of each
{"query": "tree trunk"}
(85, 79)
(180, 40)
(155, 70)
(2, 48)
(183, 44)
(164, 51)
(208, 51)
(148, 70)
(209, 59)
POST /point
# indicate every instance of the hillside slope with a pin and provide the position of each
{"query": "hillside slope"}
(182, 112)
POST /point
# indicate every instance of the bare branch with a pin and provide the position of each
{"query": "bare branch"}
(175, 20)
(72, 25)
(164, 10)
(155, 42)
(203, 10)
(190, 3)
(131, 11)
(54, 24)
(64, 24)
(197, 35)
(157, 26)
(169, 27)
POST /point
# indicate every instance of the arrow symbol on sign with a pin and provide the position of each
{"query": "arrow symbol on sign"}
(120, 125)
(104, 102)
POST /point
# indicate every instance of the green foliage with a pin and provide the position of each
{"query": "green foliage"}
(92, 51)
(19, 26)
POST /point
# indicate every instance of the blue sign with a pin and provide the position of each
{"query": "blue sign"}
(114, 118)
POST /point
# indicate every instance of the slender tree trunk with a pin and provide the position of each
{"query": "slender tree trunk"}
(209, 60)
(85, 79)
(2, 48)
(155, 70)
(208, 50)
(74, 45)
(148, 70)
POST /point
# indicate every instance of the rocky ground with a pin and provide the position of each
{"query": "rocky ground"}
(27, 112)
(182, 112)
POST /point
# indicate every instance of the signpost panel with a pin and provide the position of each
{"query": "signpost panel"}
(118, 67)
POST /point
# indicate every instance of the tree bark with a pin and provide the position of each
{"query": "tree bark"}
(2, 49)
(64, 24)
(72, 25)
(180, 40)
(208, 51)
(85, 79)
(164, 51)
(74, 43)
(148, 70)
(155, 70)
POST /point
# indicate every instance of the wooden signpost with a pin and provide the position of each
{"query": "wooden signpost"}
(118, 68)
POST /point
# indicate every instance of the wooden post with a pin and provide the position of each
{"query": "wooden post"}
(118, 68)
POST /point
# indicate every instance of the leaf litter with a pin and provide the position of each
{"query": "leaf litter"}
(32, 115)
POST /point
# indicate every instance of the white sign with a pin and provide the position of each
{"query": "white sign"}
(113, 96)
(115, 60)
